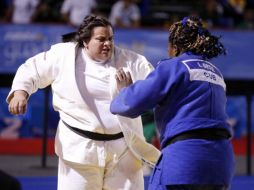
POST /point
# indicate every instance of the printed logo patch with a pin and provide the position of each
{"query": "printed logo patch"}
(201, 70)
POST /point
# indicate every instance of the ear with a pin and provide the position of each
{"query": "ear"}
(85, 45)
(176, 50)
(172, 50)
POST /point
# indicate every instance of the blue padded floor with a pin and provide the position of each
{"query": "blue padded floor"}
(50, 183)
(38, 183)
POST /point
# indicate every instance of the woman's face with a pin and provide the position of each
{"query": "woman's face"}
(100, 46)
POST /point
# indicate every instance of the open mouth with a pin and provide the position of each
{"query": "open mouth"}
(106, 50)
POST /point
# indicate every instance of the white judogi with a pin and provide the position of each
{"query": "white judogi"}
(23, 11)
(125, 14)
(58, 68)
(77, 9)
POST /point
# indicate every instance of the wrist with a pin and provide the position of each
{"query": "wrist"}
(21, 93)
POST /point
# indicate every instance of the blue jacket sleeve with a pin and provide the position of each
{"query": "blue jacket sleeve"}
(144, 95)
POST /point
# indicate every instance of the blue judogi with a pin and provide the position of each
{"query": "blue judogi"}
(186, 93)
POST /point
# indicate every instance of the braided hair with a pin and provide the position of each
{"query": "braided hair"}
(190, 35)
(84, 32)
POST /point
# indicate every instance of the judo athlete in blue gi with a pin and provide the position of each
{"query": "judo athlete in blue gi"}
(188, 95)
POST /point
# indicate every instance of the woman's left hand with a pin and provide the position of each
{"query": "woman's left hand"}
(123, 79)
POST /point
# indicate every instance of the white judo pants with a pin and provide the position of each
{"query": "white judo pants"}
(122, 171)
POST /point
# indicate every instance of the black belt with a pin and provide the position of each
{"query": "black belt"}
(95, 136)
(208, 134)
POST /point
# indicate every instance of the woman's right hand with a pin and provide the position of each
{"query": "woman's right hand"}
(18, 102)
(123, 79)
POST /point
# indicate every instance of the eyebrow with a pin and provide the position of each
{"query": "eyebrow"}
(98, 37)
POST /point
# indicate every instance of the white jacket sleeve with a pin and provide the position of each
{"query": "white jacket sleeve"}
(141, 68)
(37, 72)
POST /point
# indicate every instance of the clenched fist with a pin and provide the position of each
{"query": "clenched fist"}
(18, 102)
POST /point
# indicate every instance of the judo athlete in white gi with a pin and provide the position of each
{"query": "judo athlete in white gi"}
(96, 149)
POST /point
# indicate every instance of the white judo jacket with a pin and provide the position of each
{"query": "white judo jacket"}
(56, 67)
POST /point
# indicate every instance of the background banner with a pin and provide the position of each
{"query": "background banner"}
(19, 42)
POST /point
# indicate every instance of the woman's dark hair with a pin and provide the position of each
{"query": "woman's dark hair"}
(190, 35)
(84, 32)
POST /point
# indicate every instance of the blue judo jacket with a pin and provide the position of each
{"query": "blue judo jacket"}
(186, 93)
